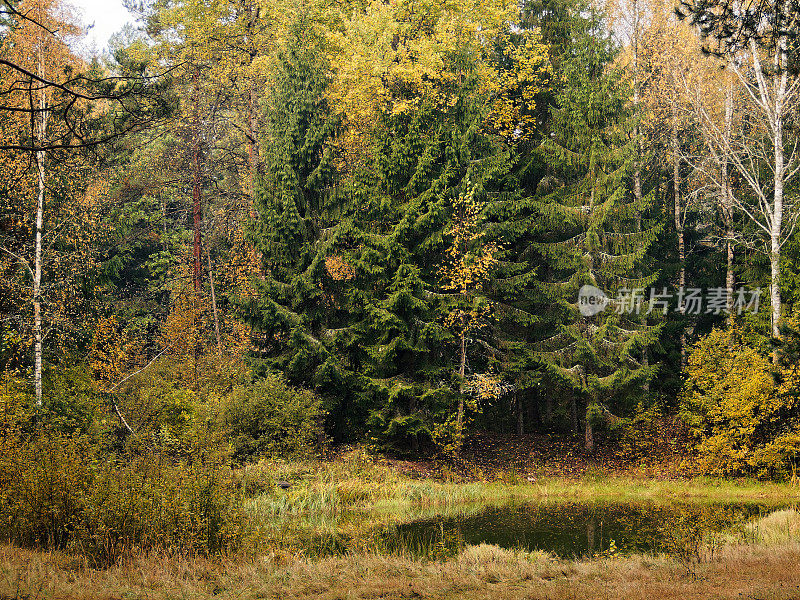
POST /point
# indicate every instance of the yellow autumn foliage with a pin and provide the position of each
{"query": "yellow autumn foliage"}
(112, 351)
(742, 421)
(389, 57)
(515, 90)
(339, 269)
(470, 258)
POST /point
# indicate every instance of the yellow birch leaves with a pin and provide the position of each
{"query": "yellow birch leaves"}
(390, 57)
(515, 90)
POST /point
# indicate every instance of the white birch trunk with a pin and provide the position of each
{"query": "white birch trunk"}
(37, 283)
(678, 214)
(777, 208)
(41, 136)
(770, 96)
(727, 203)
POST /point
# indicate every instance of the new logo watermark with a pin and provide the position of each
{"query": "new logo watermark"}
(591, 300)
(690, 301)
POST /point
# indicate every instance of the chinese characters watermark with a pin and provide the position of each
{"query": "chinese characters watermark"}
(688, 301)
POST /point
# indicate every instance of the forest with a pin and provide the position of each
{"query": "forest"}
(268, 263)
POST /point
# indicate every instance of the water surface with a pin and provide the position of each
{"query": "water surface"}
(571, 529)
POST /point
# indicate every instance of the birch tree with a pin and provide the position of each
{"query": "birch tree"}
(753, 38)
(38, 55)
(659, 55)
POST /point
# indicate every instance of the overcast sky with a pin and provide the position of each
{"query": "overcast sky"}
(108, 17)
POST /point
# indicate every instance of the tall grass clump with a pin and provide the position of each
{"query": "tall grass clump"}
(354, 481)
(778, 527)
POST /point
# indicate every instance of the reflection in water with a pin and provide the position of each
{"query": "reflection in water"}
(573, 529)
(591, 528)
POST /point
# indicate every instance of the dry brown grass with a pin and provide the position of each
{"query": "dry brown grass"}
(742, 571)
(776, 527)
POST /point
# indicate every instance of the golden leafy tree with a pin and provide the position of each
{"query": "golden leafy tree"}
(388, 57)
(112, 353)
(516, 88)
(470, 260)
(741, 421)
(49, 203)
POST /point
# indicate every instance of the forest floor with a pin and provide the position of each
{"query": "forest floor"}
(542, 456)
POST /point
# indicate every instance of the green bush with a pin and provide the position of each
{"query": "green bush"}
(43, 487)
(171, 394)
(152, 501)
(269, 417)
(169, 485)
(71, 403)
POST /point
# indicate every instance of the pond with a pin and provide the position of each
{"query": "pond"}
(572, 530)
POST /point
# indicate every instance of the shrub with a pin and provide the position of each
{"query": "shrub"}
(741, 420)
(650, 435)
(270, 417)
(64, 492)
(43, 486)
(71, 403)
(167, 486)
(151, 501)
(168, 395)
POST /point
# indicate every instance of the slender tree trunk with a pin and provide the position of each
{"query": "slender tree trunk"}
(588, 442)
(37, 282)
(679, 230)
(462, 369)
(727, 205)
(530, 412)
(41, 136)
(252, 151)
(637, 193)
(197, 221)
(774, 288)
(777, 212)
(573, 413)
(772, 101)
(412, 409)
(197, 214)
(520, 419)
(591, 533)
(548, 411)
(197, 218)
(637, 173)
(589, 433)
(164, 243)
(252, 123)
(676, 185)
(214, 303)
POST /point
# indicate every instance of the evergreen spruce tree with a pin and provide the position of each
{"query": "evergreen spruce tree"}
(509, 214)
(297, 299)
(592, 232)
(428, 161)
(353, 300)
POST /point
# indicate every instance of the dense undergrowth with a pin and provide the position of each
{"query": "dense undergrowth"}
(214, 462)
(60, 493)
